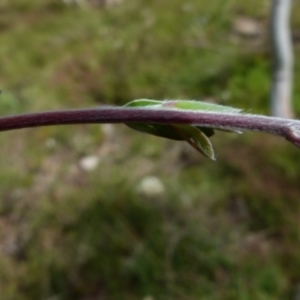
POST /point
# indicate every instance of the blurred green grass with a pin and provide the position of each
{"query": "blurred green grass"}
(225, 230)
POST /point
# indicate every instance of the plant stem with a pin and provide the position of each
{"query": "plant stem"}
(287, 128)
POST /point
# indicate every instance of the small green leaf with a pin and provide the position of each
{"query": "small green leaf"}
(165, 131)
(199, 105)
(197, 139)
(161, 130)
(204, 106)
(196, 135)
(144, 102)
(184, 104)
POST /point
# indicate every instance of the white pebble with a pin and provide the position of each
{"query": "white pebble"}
(89, 163)
(151, 186)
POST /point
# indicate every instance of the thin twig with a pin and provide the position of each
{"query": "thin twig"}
(287, 128)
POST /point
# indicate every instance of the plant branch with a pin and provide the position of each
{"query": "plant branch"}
(287, 128)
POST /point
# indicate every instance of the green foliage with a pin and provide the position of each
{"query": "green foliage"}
(196, 136)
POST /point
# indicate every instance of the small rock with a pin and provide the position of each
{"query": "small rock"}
(50, 143)
(247, 27)
(151, 186)
(89, 163)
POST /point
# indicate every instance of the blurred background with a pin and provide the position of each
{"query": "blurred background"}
(94, 212)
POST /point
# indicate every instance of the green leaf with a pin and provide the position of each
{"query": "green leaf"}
(165, 131)
(204, 106)
(197, 139)
(196, 136)
(161, 130)
(187, 105)
(184, 104)
(144, 102)
(199, 105)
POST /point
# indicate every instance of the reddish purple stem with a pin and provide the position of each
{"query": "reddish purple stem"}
(288, 128)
